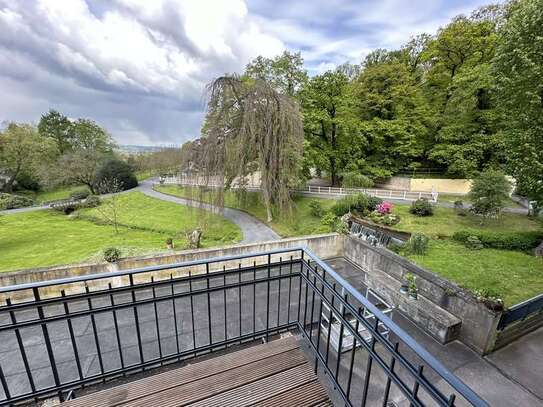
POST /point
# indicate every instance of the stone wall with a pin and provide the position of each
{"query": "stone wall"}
(440, 302)
(441, 185)
(324, 246)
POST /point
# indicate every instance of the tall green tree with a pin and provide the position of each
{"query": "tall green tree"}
(285, 72)
(87, 135)
(460, 85)
(58, 127)
(329, 122)
(518, 66)
(23, 150)
(393, 117)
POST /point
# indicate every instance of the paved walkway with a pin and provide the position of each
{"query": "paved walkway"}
(253, 229)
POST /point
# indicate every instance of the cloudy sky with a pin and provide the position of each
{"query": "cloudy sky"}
(138, 67)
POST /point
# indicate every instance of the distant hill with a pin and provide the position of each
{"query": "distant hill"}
(134, 149)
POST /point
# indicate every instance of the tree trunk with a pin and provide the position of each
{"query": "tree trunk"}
(91, 187)
(9, 185)
(333, 164)
(267, 203)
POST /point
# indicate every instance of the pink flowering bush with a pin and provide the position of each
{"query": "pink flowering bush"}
(384, 208)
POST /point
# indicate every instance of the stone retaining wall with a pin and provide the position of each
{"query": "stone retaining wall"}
(324, 246)
(440, 304)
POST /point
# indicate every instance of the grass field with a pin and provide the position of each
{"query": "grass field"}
(452, 198)
(445, 222)
(297, 223)
(514, 276)
(47, 238)
(51, 194)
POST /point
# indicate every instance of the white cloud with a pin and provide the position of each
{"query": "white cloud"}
(133, 52)
(139, 67)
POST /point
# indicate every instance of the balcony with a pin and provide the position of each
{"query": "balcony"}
(192, 333)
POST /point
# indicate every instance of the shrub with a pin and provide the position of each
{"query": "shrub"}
(353, 179)
(421, 207)
(384, 208)
(488, 193)
(9, 201)
(352, 203)
(91, 202)
(112, 254)
(334, 222)
(80, 194)
(390, 219)
(316, 209)
(115, 170)
(418, 243)
(27, 181)
(473, 243)
(373, 201)
(522, 241)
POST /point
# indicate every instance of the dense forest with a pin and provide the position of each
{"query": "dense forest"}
(463, 100)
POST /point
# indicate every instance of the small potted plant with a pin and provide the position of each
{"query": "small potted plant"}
(412, 286)
(169, 243)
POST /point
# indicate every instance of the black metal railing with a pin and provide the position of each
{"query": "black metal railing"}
(521, 312)
(58, 336)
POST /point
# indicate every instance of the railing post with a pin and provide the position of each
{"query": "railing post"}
(47, 340)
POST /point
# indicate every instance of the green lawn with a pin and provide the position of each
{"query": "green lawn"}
(452, 198)
(51, 194)
(298, 223)
(445, 222)
(144, 174)
(47, 238)
(514, 276)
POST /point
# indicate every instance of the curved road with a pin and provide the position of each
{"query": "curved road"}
(253, 229)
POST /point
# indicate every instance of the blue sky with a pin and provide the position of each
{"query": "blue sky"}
(139, 67)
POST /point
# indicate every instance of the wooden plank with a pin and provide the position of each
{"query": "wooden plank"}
(262, 389)
(164, 381)
(309, 394)
(221, 382)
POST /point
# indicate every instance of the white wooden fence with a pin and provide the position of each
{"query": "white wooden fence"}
(319, 190)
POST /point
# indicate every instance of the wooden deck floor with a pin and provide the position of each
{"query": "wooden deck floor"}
(273, 374)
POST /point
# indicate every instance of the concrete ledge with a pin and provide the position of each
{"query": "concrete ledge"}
(326, 245)
(478, 327)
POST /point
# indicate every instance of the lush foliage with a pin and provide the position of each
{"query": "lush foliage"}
(418, 244)
(112, 254)
(489, 192)
(10, 201)
(518, 67)
(353, 179)
(80, 193)
(421, 207)
(384, 208)
(114, 170)
(358, 203)
(523, 241)
(316, 208)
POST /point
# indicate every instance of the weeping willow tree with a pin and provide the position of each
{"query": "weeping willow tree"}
(250, 126)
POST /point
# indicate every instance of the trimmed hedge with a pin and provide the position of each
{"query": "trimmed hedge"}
(522, 241)
(9, 201)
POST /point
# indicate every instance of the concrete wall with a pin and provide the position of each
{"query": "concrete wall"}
(325, 246)
(387, 270)
(441, 185)
(518, 329)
